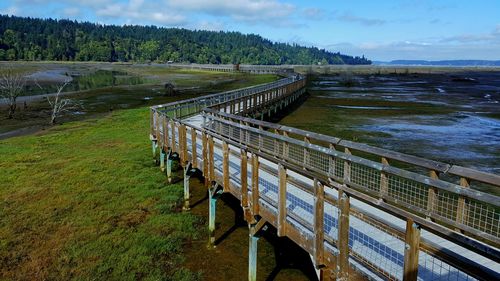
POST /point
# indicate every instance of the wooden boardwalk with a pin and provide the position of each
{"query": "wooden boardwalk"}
(387, 214)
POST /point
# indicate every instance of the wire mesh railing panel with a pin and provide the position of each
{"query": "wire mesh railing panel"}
(268, 145)
(431, 268)
(234, 169)
(408, 191)
(331, 221)
(296, 153)
(481, 216)
(445, 205)
(319, 161)
(300, 203)
(253, 139)
(377, 247)
(365, 176)
(268, 185)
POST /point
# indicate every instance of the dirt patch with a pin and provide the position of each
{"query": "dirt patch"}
(279, 258)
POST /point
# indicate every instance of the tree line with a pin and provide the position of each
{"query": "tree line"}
(33, 39)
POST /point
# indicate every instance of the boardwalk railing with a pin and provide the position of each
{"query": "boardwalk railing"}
(259, 69)
(387, 214)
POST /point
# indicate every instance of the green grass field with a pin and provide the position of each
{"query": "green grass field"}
(84, 201)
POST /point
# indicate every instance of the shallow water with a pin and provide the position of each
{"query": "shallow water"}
(47, 81)
(432, 116)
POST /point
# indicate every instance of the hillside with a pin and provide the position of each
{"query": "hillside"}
(66, 40)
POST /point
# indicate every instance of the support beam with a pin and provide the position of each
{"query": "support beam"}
(253, 230)
(154, 146)
(162, 160)
(412, 245)
(169, 165)
(213, 194)
(188, 171)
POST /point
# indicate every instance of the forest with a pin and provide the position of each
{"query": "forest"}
(32, 39)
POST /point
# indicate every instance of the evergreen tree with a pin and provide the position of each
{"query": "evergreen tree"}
(49, 39)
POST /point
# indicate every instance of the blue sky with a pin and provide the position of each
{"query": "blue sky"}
(380, 30)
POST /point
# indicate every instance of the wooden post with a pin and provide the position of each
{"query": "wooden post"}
(173, 135)
(331, 162)
(204, 139)
(182, 143)
(319, 194)
(412, 245)
(166, 134)
(384, 181)
(306, 153)
(327, 274)
(281, 220)
(432, 195)
(152, 122)
(211, 158)
(343, 236)
(261, 142)
(347, 167)
(194, 140)
(462, 211)
(255, 184)
(157, 126)
(244, 178)
(225, 166)
(184, 153)
(286, 147)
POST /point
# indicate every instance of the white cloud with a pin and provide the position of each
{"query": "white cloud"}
(211, 25)
(491, 37)
(137, 12)
(71, 12)
(420, 50)
(12, 10)
(314, 14)
(241, 10)
(348, 17)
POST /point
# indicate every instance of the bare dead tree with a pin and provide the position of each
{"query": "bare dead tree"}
(61, 105)
(11, 86)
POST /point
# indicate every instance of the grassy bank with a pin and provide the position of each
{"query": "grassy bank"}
(84, 201)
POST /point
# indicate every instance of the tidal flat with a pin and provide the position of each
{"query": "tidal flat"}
(451, 117)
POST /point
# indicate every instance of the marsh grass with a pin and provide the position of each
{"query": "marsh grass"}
(84, 201)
